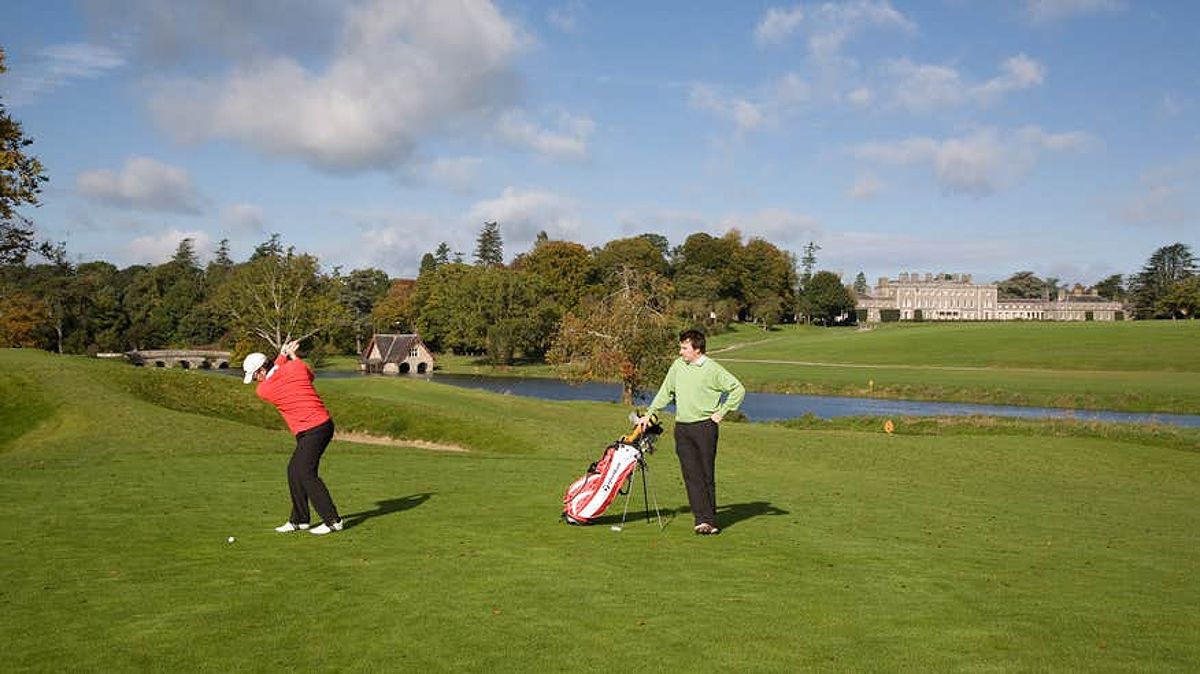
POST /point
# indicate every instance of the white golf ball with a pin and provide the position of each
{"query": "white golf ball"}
(230, 539)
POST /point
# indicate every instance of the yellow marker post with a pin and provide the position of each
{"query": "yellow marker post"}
(888, 427)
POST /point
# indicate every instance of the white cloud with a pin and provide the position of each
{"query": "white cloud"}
(834, 24)
(777, 25)
(142, 184)
(1047, 11)
(1166, 196)
(58, 65)
(866, 187)
(243, 219)
(921, 87)
(977, 164)
(159, 248)
(395, 242)
(1019, 72)
(569, 142)
(776, 100)
(401, 71)
(522, 213)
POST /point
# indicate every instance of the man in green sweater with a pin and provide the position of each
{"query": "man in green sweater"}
(696, 383)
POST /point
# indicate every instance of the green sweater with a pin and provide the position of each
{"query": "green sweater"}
(697, 389)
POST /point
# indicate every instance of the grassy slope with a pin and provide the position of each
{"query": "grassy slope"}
(842, 548)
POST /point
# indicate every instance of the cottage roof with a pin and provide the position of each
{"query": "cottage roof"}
(390, 348)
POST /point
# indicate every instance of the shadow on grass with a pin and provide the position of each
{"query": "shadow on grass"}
(729, 515)
(387, 507)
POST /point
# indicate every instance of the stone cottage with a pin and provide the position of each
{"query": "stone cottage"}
(396, 354)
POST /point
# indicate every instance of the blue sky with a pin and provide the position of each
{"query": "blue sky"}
(977, 136)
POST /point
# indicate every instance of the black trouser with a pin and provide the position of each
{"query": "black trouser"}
(696, 445)
(303, 480)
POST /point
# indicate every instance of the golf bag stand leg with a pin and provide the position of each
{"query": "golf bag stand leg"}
(645, 499)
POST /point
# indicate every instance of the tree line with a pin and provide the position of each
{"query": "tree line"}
(608, 311)
(1167, 286)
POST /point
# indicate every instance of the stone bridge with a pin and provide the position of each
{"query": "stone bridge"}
(187, 359)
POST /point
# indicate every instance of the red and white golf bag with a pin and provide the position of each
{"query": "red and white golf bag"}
(589, 496)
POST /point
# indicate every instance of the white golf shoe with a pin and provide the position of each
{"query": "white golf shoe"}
(322, 528)
(288, 527)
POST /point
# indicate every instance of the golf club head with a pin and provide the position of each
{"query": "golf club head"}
(616, 527)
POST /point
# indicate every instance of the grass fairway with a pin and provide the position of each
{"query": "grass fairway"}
(1142, 366)
(841, 549)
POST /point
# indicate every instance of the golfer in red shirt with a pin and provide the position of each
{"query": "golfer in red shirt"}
(288, 386)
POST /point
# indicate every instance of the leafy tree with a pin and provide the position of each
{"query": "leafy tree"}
(21, 179)
(394, 313)
(860, 284)
(767, 276)
(564, 268)
(360, 291)
(272, 247)
(23, 319)
(514, 312)
(706, 275)
(625, 334)
(428, 264)
(1022, 285)
(1166, 267)
(637, 253)
(437, 304)
(659, 242)
(276, 298)
(826, 300)
(1182, 300)
(1112, 287)
(489, 248)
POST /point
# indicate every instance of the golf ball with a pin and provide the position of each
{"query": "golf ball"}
(230, 539)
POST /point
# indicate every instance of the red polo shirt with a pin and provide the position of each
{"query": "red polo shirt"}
(289, 388)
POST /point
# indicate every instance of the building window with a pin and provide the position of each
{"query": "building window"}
(413, 352)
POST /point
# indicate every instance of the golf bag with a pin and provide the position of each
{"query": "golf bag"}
(589, 496)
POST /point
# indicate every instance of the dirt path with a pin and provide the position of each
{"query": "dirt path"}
(367, 439)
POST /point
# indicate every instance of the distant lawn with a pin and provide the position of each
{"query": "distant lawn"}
(1160, 346)
(843, 548)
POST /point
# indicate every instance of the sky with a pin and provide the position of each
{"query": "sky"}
(961, 136)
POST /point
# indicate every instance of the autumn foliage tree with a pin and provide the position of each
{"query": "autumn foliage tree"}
(627, 334)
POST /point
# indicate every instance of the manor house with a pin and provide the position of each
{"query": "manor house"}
(953, 297)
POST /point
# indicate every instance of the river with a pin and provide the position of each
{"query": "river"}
(776, 406)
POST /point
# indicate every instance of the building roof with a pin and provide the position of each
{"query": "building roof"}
(389, 348)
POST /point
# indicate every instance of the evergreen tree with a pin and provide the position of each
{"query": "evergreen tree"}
(808, 262)
(489, 248)
(860, 284)
(1112, 288)
(1166, 267)
(442, 254)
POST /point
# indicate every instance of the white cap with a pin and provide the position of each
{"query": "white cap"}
(252, 364)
